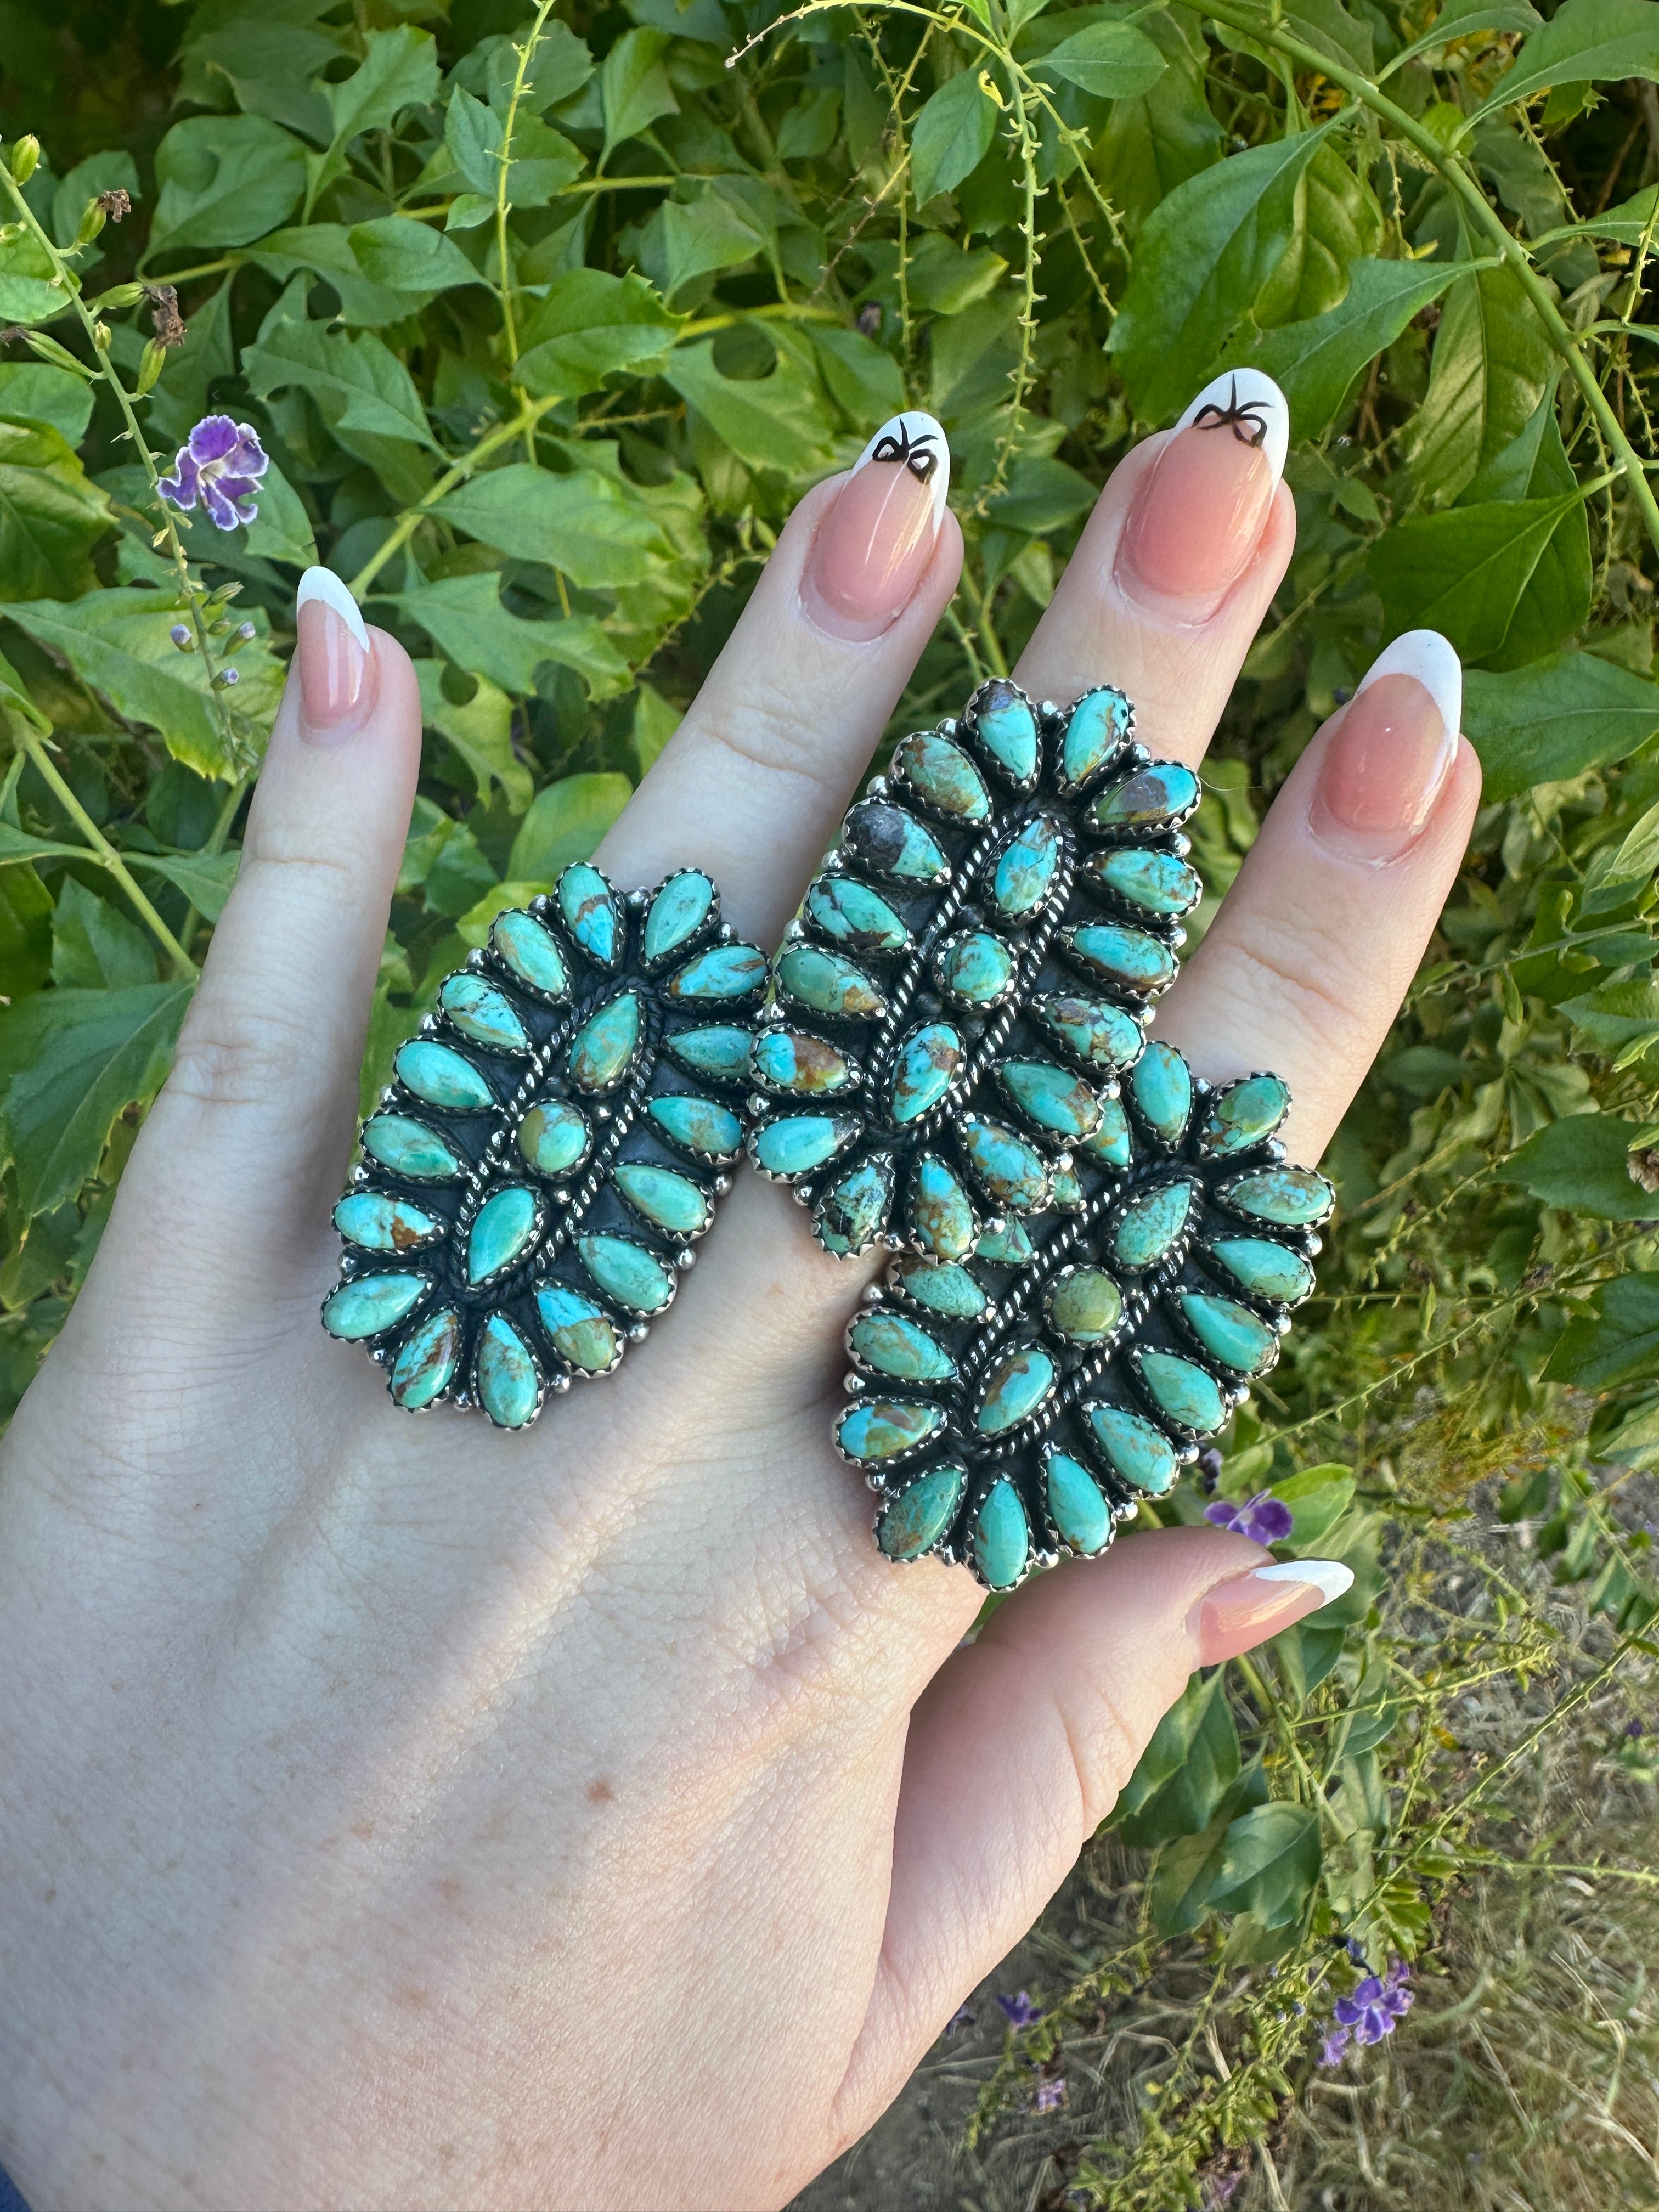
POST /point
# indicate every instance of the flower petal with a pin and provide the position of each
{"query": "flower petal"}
(214, 438)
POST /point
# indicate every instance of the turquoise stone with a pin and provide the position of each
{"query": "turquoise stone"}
(855, 1210)
(725, 971)
(669, 1201)
(1110, 1141)
(1000, 1536)
(1157, 883)
(1137, 1452)
(1264, 1269)
(409, 1148)
(1005, 1164)
(583, 1334)
(1100, 722)
(892, 842)
(896, 1347)
(1093, 1030)
(941, 1286)
(722, 1052)
(882, 1428)
(509, 1383)
(592, 913)
(481, 1012)
(940, 1209)
(1228, 1333)
(975, 966)
(711, 1131)
(553, 1137)
(1151, 1225)
(426, 1360)
(784, 1060)
(920, 1515)
(1180, 1389)
(1286, 1198)
(504, 1227)
(1243, 1115)
(1050, 1096)
(1162, 1083)
(922, 1074)
(1086, 1306)
(1025, 873)
(1014, 1390)
(676, 913)
(627, 1271)
(602, 1048)
(529, 952)
(1076, 1506)
(442, 1076)
(1126, 957)
(942, 774)
(800, 1142)
(1006, 726)
(1153, 799)
(828, 984)
(378, 1223)
(1065, 1191)
(842, 908)
(371, 1303)
(1010, 1246)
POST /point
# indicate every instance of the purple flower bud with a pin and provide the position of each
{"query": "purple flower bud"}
(221, 464)
(869, 319)
(1019, 2011)
(225, 677)
(246, 632)
(1050, 2095)
(1210, 1464)
(961, 2018)
(1264, 1518)
(181, 637)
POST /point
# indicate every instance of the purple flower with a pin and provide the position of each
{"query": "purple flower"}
(1634, 1728)
(1335, 2045)
(1264, 1518)
(1373, 2010)
(220, 464)
(1049, 2096)
(961, 2018)
(1210, 1464)
(1019, 2011)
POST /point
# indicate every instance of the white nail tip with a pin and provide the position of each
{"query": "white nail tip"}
(1426, 655)
(1329, 1576)
(1250, 402)
(910, 441)
(323, 584)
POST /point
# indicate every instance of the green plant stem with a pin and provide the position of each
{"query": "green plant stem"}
(775, 311)
(526, 54)
(104, 854)
(523, 424)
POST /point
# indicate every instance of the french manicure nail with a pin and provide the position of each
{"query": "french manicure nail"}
(873, 547)
(332, 654)
(1247, 1608)
(1390, 754)
(1200, 510)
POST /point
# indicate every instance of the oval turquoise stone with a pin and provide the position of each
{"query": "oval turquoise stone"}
(553, 1137)
(502, 1229)
(1013, 1173)
(711, 1131)
(1126, 957)
(1086, 1306)
(529, 952)
(1162, 1086)
(1100, 722)
(1000, 1536)
(1151, 1225)
(1110, 1141)
(583, 1334)
(1157, 883)
(1014, 1390)
(372, 1304)
(1155, 798)
(942, 1287)
(676, 913)
(481, 1012)
(1050, 1096)
(376, 1222)
(975, 966)
(1137, 1452)
(940, 1212)
(592, 913)
(785, 1060)
(1288, 1198)
(1006, 724)
(842, 908)
(720, 1053)
(426, 1360)
(1265, 1269)
(1010, 1246)
(725, 971)
(1243, 1115)
(441, 1076)
(625, 1271)
(899, 1348)
(1228, 1333)
(892, 842)
(509, 1381)
(602, 1048)
(855, 1210)
(828, 984)
(920, 1514)
(669, 1201)
(1180, 1389)
(876, 1429)
(922, 1072)
(1024, 875)
(409, 1148)
(942, 774)
(1093, 1030)
(1076, 1506)
(800, 1142)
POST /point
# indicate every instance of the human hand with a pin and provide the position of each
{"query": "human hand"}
(403, 1813)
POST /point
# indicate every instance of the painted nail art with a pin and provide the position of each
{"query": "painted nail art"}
(1201, 508)
(1251, 405)
(874, 546)
(914, 441)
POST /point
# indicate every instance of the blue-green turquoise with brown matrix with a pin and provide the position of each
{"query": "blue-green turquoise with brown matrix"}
(976, 966)
(1001, 1537)
(1181, 1388)
(502, 1231)
(678, 912)
(852, 914)
(1076, 1505)
(440, 1076)
(940, 773)
(1006, 723)
(509, 1384)
(922, 1513)
(1025, 873)
(427, 1359)
(481, 1012)
(520, 943)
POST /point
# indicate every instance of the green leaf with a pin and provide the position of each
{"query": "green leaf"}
(1316, 363)
(1616, 1342)
(205, 878)
(464, 618)
(1584, 42)
(1150, 145)
(591, 325)
(1463, 572)
(473, 134)
(51, 516)
(1620, 1020)
(34, 392)
(1111, 61)
(272, 59)
(1318, 1496)
(26, 911)
(689, 238)
(1493, 363)
(94, 948)
(1627, 224)
(1042, 495)
(225, 180)
(1459, 18)
(1555, 718)
(399, 69)
(635, 87)
(282, 529)
(774, 422)
(862, 377)
(951, 137)
(27, 294)
(1187, 1769)
(566, 821)
(586, 525)
(1185, 1877)
(1327, 27)
(1269, 1864)
(358, 382)
(410, 257)
(1558, 594)
(481, 731)
(1582, 1165)
(15, 701)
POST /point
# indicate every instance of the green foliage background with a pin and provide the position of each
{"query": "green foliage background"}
(548, 319)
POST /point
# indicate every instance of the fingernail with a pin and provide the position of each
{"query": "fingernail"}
(1246, 1609)
(1391, 752)
(873, 547)
(332, 654)
(1199, 511)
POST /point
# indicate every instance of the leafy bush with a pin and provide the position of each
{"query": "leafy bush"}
(545, 321)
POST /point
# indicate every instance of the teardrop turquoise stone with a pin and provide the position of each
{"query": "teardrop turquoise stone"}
(582, 1333)
(720, 1053)
(1016, 1386)
(625, 1271)
(1006, 726)
(899, 1348)
(1050, 1096)
(842, 908)
(1264, 1269)
(602, 1048)
(377, 1222)
(480, 1012)
(553, 1136)
(1137, 1452)
(1154, 798)
(529, 952)
(942, 774)
(1228, 1333)
(1076, 1506)
(1065, 1191)
(942, 1287)
(372, 1304)
(1243, 1115)
(505, 1226)
(711, 1131)
(1125, 958)
(1095, 1031)
(855, 1210)
(1110, 1141)
(882, 1428)
(1182, 1389)
(725, 971)
(669, 1201)
(409, 1148)
(892, 842)
(1086, 1307)
(1157, 883)
(1006, 1165)
(1162, 1083)
(1010, 1246)
(676, 913)
(442, 1076)
(922, 1072)
(786, 1061)
(975, 966)
(508, 1382)
(800, 1142)
(1151, 1225)
(943, 1219)
(1025, 873)
(920, 1515)
(828, 983)
(1288, 1198)
(426, 1360)
(592, 913)
(1000, 1536)
(1100, 722)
